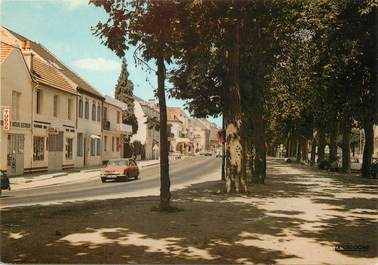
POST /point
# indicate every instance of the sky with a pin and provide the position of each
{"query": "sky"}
(64, 27)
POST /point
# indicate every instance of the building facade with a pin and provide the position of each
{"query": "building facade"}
(15, 98)
(148, 133)
(114, 131)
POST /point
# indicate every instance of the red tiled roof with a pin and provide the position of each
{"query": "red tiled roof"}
(5, 50)
(48, 56)
(49, 75)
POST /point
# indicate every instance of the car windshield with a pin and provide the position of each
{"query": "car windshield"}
(118, 163)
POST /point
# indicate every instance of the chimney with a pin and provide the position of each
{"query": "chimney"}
(28, 55)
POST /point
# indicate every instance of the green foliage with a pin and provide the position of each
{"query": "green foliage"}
(124, 92)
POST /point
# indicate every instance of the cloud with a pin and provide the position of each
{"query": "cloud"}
(73, 4)
(97, 64)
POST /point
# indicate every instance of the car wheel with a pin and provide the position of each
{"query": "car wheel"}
(103, 180)
(125, 176)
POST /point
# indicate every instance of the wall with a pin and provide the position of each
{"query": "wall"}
(61, 122)
(108, 153)
(88, 127)
(15, 77)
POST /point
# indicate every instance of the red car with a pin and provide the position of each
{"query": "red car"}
(122, 168)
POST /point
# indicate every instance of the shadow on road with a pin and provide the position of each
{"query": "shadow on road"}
(299, 216)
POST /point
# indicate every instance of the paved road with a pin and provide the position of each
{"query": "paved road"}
(181, 172)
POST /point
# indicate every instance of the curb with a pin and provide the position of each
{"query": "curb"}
(157, 163)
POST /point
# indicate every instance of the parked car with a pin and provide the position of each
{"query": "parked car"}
(120, 169)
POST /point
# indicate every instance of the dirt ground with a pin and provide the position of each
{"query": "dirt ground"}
(298, 217)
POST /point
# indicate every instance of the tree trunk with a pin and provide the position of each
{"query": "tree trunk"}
(233, 119)
(368, 149)
(346, 145)
(223, 154)
(287, 147)
(260, 147)
(333, 142)
(321, 145)
(304, 149)
(313, 151)
(165, 183)
(298, 150)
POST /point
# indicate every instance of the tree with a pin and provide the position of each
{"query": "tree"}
(148, 26)
(124, 92)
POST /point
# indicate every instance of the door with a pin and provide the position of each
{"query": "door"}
(15, 154)
(55, 148)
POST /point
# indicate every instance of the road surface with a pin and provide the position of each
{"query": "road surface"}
(182, 172)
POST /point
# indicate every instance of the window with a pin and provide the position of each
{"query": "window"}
(98, 147)
(80, 145)
(38, 148)
(55, 106)
(93, 147)
(15, 104)
(105, 116)
(117, 144)
(105, 142)
(55, 142)
(80, 108)
(69, 147)
(87, 109)
(69, 110)
(38, 101)
(118, 117)
(112, 144)
(98, 113)
(93, 111)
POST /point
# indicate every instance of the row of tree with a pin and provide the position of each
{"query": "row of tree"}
(278, 71)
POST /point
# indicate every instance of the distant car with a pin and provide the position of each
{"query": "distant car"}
(374, 168)
(290, 159)
(120, 169)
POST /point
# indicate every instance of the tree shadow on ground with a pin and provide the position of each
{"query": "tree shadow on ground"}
(291, 219)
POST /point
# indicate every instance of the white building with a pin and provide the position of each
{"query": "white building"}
(148, 133)
(15, 96)
(178, 122)
(88, 126)
(114, 131)
(52, 104)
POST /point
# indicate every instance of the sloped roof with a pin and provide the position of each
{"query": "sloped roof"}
(45, 73)
(195, 123)
(5, 51)
(48, 56)
(174, 112)
(116, 102)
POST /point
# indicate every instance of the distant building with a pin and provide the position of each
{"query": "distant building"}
(178, 120)
(148, 134)
(114, 131)
(200, 135)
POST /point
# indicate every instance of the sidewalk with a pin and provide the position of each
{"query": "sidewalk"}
(298, 217)
(56, 178)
